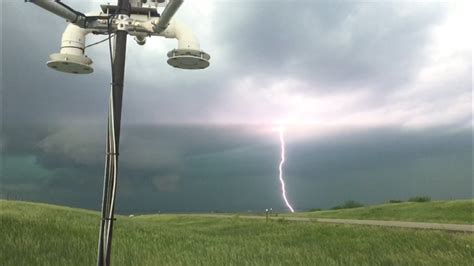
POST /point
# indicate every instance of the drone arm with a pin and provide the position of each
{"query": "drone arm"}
(62, 10)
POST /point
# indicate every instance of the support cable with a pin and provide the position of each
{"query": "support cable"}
(117, 61)
(99, 42)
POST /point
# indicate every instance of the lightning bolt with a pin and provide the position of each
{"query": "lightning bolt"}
(280, 168)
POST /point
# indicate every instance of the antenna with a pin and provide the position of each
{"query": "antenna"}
(138, 18)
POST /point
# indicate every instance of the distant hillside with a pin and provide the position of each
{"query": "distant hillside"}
(41, 234)
(454, 211)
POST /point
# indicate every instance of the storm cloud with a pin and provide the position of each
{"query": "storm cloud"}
(203, 168)
(376, 98)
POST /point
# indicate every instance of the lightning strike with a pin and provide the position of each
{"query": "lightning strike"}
(280, 168)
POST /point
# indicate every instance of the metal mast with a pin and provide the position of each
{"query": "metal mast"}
(113, 139)
(138, 18)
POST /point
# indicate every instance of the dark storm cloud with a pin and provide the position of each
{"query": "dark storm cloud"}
(146, 147)
(378, 165)
(329, 46)
(21, 139)
(192, 168)
(53, 125)
(395, 146)
(343, 45)
(33, 94)
(154, 160)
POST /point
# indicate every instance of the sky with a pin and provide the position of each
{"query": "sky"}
(375, 98)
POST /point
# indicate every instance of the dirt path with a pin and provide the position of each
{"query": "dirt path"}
(414, 225)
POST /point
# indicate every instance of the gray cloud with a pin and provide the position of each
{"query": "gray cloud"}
(349, 46)
(335, 44)
(53, 125)
(173, 168)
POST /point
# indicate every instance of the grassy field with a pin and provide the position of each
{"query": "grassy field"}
(39, 234)
(455, 211)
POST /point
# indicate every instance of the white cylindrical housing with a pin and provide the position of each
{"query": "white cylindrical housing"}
(74, 40)
(185, 37)
(71, 58)
(189, 54)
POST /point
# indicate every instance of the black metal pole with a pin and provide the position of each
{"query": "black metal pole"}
(113, 141)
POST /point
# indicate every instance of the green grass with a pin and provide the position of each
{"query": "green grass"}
(455, 211)
(38, 234)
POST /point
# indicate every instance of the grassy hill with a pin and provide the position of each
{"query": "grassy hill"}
(40, 234)
(455, 211)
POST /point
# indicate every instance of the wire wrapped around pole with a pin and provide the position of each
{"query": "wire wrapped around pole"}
(113, 137)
